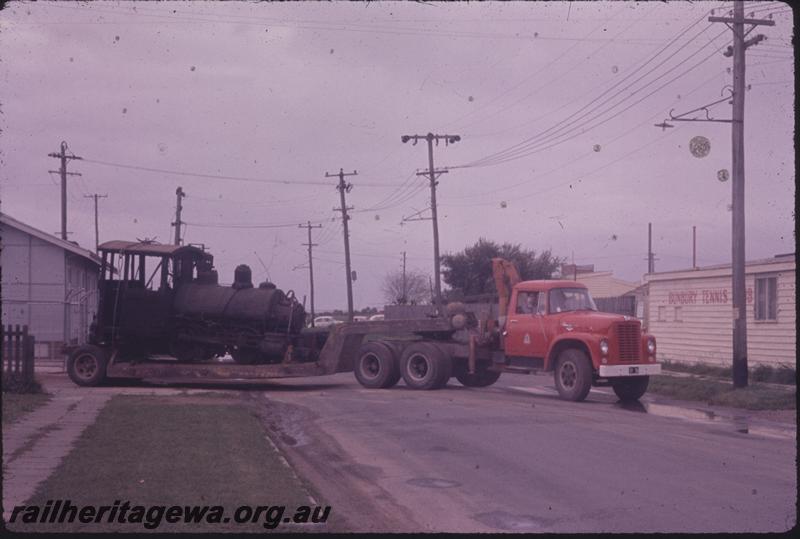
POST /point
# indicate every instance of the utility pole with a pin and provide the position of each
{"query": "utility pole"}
(178, 208)
(694, 247)
(95, 196)
(346, 187)
(432, 174)
(310, 245)
(650, 264)
(63, 171)
(736, 24)
(405, 294)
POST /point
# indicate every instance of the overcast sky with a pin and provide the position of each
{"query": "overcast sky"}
(554, 102)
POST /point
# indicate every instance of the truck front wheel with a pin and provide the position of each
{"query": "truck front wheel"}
(425, 366)
(573, 375)
(376, 366)
(630, 389)
(86, 366)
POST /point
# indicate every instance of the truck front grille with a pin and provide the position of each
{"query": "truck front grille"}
(629, 341)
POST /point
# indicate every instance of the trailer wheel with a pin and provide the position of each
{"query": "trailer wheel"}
(425, 366)
(86, 366)
(376, 365)
(483, 377)
(573, 375)
(630, 389)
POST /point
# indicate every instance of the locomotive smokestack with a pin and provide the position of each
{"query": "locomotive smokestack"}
(242, 277)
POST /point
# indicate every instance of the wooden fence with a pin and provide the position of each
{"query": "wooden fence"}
(17, 359)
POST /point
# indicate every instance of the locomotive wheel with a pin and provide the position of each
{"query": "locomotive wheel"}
(245, 356)
(483, 377)
(87, 366)
(376, 365)
(425, 366)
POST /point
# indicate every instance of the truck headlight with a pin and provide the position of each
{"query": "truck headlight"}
(604, 347)
(651, 345)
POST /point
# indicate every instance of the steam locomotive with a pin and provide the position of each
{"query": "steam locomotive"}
(165, 299)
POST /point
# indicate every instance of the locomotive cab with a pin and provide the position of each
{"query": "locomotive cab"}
(138, 282)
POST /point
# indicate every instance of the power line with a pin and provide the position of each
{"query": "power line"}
(394, 194)
(551, 80)
(254, 226)
(536, 148)
(533, 144)
(621, 81)
(525, 79)
(220, 176)
(334, 26)
(582, 156)
(577, 178)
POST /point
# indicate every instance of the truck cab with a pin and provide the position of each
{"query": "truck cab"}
(554, 325)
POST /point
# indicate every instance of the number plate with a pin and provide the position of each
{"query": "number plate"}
(633, 370)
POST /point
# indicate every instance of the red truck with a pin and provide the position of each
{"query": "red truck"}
(549, 325)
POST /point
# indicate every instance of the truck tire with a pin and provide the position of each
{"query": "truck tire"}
(86, 366)
(483, 377)
(630, 389)
(376, 365)
(425, 366)
(446, 371)
(573, 375)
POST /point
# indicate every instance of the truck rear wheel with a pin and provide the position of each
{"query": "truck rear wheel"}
(573, 375)
(425, 366)
(376, 365)
(630, 389)
(86, 366)
(483, 377)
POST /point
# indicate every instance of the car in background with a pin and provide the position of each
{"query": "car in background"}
(376, 318)
(360, 318)
(325, 321)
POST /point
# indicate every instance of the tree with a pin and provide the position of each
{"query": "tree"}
(469, 272)
(416, 290)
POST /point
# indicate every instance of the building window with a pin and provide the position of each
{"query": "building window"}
(662, 313)
(678, 315)
(766, 307)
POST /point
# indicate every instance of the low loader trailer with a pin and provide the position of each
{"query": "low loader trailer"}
(545, 325)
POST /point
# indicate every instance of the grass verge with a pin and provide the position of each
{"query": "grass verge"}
(753, 397)
(16, 405)
(172, 451)
(761, 373)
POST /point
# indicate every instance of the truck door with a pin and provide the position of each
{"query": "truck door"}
(524, 331)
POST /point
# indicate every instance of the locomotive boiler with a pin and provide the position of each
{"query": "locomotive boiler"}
(165, 299)
(255, 325)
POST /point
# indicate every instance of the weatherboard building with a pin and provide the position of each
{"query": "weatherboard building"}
(49, 284)
(690, 312)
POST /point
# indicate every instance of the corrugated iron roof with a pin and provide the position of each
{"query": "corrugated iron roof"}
(137, 247)
(58, 242)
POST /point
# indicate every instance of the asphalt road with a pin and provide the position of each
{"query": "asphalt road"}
(514, 457)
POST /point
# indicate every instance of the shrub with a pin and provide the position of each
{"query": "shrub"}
(18, 384)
